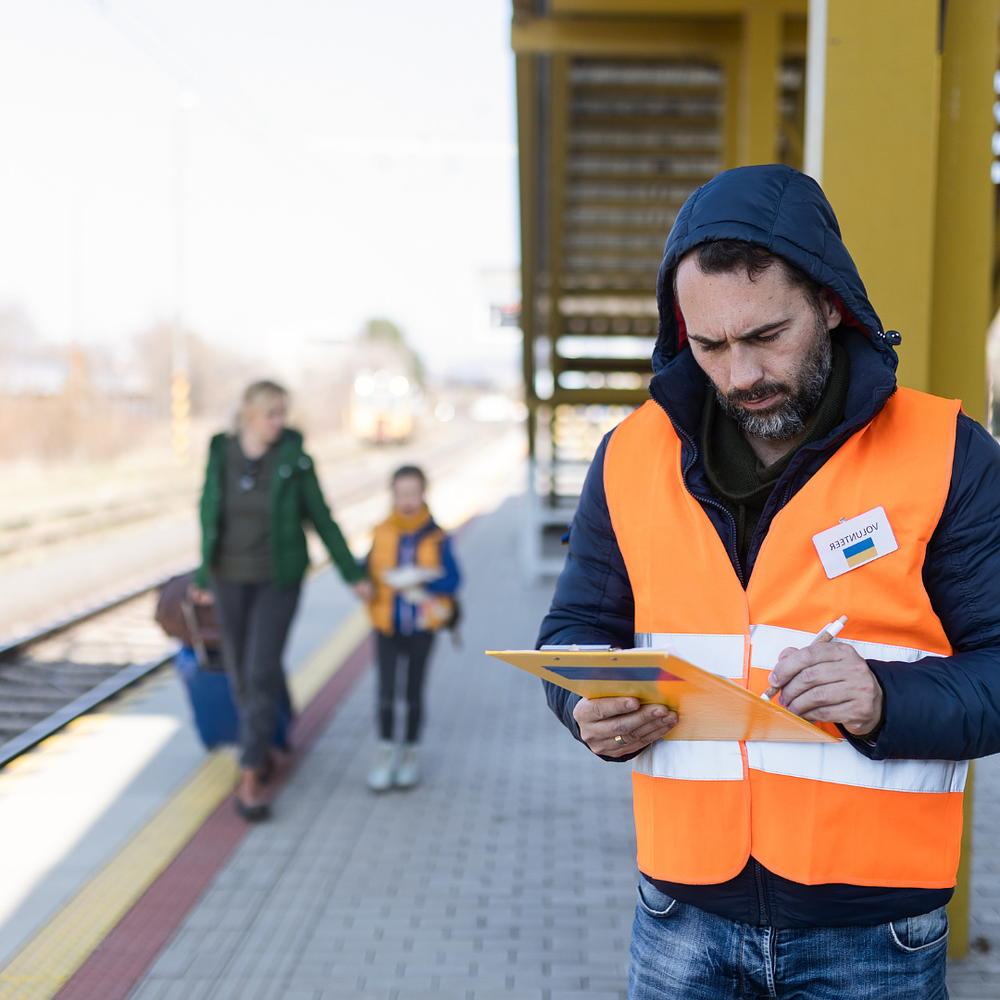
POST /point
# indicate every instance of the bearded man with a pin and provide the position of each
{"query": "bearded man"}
(778, 478)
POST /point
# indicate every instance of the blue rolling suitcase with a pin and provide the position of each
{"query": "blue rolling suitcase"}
(210, 697)
(212, 701)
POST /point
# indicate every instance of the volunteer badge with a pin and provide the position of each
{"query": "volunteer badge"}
(854, 543)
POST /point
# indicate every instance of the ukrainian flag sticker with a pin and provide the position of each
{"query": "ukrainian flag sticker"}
(855, 542)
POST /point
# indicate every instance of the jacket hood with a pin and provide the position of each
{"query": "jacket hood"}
(784, 211)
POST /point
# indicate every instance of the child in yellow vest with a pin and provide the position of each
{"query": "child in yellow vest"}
(415, 577)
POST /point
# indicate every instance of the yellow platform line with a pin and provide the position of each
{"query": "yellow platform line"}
(47, 962)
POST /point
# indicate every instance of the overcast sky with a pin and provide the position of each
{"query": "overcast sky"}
(341, 159)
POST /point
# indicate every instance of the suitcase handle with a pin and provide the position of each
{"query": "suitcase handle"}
(197, 642)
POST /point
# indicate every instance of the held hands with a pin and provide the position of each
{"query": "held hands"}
(829, 682)
(602, 719)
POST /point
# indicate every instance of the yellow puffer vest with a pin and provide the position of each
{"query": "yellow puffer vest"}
(432, 614)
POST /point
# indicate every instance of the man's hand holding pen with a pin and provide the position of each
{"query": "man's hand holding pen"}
(829, 682)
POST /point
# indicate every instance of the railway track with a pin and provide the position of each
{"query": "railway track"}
(50, 678)
(61, 671)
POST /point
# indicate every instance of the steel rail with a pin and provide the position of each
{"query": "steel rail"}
(18, 645)
(79, 706)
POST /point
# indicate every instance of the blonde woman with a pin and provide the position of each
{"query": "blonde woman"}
(260, 486)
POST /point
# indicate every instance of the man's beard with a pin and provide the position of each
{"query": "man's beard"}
(789, 417)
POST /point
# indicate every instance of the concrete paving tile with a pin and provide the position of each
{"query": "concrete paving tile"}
(239, 988)
(451, 986)
(207, 965)
(192, 990)
(383, 978)
(171, 963)
(608, 984)
(150, 988)
(337, 994)
(520, 994)
(588, 993)
(405, 993)
(347, 980)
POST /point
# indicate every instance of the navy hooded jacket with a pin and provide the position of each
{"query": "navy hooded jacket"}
(935, 708)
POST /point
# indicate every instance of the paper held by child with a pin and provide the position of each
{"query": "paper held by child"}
(709, 707)
(405, 577)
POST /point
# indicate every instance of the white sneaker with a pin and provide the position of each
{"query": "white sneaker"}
(380, 777)
(407, 772)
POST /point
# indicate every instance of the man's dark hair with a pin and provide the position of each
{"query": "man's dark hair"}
(410, 470)
(727, 256)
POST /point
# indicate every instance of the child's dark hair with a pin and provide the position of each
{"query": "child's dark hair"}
(404, 471)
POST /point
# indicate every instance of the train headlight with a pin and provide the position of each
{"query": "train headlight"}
(399, 386)
(364, 385)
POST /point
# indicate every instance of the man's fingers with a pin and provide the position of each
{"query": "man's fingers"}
(596, 709)
(656, 726)
(815, 681)
(639, 739)
(810, 664)
(603, 719)
(829, 713)
(633, 721)
(819, 697)
(858, 708)
(809, 679)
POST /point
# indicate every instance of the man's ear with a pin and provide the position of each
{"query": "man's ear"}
(831, 311)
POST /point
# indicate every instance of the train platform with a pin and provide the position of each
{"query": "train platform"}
(507, 873)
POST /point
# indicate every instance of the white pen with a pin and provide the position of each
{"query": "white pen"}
(826, 634)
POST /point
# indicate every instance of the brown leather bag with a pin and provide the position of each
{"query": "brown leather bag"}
(193, 624)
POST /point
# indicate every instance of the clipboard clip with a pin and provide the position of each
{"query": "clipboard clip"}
(578, 648)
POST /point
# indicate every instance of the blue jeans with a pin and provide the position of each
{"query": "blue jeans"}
(683, 953)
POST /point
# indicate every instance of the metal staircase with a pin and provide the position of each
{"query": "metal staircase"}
(624, 143)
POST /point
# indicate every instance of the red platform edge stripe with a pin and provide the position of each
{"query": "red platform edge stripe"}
(115, 967)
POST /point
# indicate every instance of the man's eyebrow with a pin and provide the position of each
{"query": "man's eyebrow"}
(756, 331)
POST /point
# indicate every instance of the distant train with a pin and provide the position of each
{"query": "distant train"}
(383, 407)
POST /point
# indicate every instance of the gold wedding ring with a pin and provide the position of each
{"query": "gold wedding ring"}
(620, 741)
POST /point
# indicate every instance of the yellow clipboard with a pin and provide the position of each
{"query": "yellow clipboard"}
(710, 707)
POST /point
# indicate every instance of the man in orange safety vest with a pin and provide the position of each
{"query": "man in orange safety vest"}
(778, 479)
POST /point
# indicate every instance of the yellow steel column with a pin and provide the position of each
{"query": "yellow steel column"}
(760, 57)
(963, 260)
(880, 158)
(906, 165)
(963, 272)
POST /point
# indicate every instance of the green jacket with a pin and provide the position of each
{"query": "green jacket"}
(295, 497)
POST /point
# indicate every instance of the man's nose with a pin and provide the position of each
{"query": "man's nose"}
(744, 369)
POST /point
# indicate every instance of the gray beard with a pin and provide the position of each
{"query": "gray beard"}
(789, 417)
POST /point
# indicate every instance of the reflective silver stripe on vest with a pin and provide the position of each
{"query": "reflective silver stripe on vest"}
(691, 760)
(768, 641)
(720, 654)
(842, 764)
(833, 762)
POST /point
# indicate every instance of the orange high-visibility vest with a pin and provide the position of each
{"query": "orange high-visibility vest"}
(811, 812)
